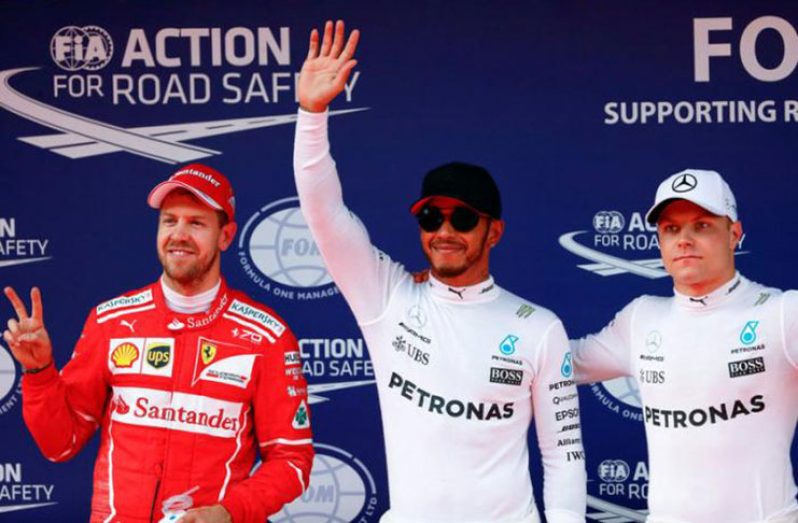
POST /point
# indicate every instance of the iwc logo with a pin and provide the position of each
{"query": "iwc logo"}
(341, 489)
(277, 252)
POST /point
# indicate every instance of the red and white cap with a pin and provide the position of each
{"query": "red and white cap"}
(206, 183)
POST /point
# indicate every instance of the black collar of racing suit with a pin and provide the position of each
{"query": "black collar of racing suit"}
(716, 298)
(481, 292)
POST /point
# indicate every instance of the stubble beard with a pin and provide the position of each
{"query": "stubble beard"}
(188, 274)
(452, 271)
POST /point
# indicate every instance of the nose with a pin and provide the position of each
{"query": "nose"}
(180, 230)
(685, 237)
(446, 228)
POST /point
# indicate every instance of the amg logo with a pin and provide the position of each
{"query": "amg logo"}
(506, 376)
(746, 367)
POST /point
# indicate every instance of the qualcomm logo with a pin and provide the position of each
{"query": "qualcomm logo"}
(614, 237)
(81, 137)
(277, 252)
(341, 489)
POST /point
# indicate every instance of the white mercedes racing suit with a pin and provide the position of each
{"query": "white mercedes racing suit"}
(459, 372)
(719, 388)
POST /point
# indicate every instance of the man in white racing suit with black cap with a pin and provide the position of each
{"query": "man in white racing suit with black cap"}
(460, 363)
(715, 365)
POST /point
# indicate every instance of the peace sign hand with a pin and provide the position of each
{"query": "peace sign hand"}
(26, 336)
(326, 69)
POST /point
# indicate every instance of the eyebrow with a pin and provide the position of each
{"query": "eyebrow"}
(191, 216)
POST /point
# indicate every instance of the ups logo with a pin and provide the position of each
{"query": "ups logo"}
(158, 356)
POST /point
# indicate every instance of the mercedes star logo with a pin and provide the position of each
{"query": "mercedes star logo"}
(684, 183)
(653, 341)
(416, 316)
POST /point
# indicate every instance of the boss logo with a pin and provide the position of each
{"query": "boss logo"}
(506, 376)
(746, 367)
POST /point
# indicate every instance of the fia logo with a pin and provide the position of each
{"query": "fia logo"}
(74, 48)
(507, 345)
(748, 334)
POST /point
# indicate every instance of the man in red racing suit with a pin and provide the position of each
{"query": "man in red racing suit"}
(184, 401)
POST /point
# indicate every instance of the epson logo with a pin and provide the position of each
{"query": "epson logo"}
(506, 376)
(746, 367)
(561, 415)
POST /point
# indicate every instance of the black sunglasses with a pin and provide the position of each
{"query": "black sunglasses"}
(463, 219)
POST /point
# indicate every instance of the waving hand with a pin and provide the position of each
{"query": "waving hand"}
(327, 67)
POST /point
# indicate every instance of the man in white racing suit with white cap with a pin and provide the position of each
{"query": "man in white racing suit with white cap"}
(460, 363)
(716, 365)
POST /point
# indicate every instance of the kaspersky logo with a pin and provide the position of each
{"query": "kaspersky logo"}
(620, 245)
(158, 67)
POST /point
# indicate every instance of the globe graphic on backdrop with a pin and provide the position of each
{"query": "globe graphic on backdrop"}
(282, 248)
(8, 373)
(336, 494)
(75, 48)
(75, 35)
(625, 390)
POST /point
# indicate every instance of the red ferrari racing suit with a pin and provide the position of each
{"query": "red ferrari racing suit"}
(185, 403)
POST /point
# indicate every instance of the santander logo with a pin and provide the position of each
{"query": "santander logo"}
(176, 411)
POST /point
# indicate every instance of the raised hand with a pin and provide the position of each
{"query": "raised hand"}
(327, 68)
(26, 336)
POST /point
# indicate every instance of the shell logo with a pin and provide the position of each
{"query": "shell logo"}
(124, 355)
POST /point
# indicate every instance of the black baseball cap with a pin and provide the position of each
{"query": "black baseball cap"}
(471, 184)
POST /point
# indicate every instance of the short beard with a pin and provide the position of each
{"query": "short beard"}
(193, 273)
(454, 271)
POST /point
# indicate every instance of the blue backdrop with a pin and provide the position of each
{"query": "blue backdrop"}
(579, 109)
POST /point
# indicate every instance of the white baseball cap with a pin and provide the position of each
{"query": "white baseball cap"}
(707, 189)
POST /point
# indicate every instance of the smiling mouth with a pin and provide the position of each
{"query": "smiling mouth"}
(179, 252)
(447, 247)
